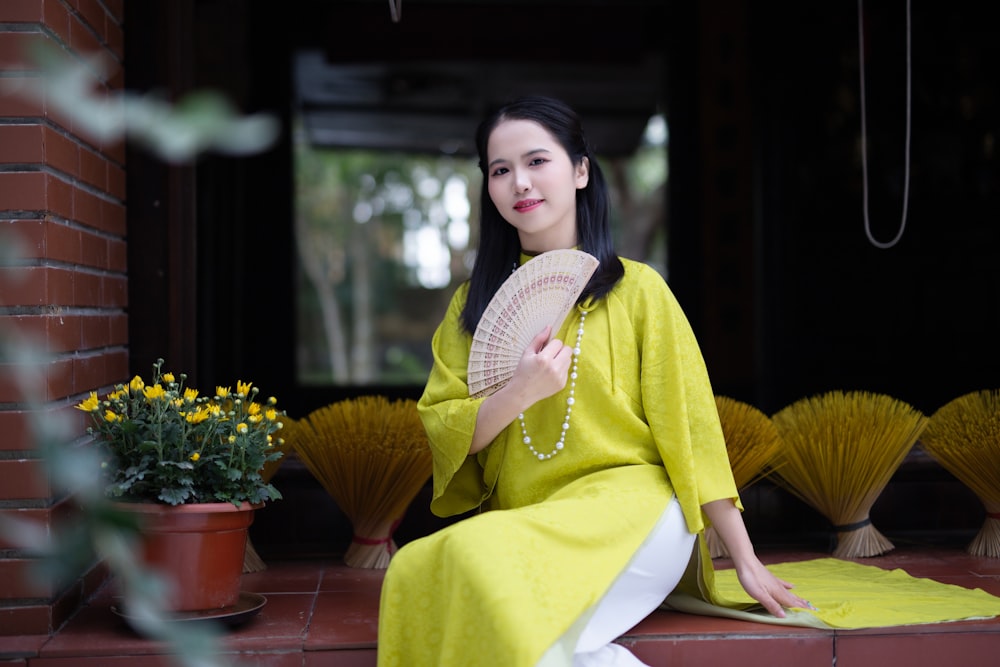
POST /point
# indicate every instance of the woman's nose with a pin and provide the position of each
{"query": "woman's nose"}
(521, 183)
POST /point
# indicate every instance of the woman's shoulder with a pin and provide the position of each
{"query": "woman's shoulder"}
(636, 266)
(641, 276)
(460, 295)
(461, 292)
(643, 287)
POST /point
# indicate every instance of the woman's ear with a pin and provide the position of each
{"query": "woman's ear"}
(582, 173)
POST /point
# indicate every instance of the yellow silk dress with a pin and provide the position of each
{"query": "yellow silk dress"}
(499, 587)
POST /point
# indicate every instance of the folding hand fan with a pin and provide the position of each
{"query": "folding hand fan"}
(541, 292)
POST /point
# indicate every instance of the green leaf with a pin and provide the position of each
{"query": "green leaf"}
(175, 496)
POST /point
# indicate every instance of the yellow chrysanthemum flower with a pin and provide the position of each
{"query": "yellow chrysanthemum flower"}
(232, 439)
(136, 384)
(271, 414)
(168, 378)
(195, 456)
(196, 417)
(110, 416)
(190, 394)
(154, 392)
(91, 404)
(242, 428)
(243, 388)
(253, 409)
(222, 392)
(121, 393)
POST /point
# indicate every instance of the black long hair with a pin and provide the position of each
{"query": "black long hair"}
(499, 246)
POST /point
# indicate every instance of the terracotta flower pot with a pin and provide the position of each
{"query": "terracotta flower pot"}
(197, 548)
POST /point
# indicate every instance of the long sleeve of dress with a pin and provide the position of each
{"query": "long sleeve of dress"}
(449, 415)
(679, 402)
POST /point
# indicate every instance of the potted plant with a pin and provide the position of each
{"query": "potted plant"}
(188, 468)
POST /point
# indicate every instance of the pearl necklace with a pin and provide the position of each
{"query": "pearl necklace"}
(560, 443)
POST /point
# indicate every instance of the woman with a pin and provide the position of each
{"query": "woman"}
(594, 467)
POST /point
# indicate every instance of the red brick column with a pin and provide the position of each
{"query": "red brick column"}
(62, 200)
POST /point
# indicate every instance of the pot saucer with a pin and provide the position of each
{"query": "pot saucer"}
(247, 606)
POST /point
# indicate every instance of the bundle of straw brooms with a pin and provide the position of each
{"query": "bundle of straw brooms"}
(372, 456)
(964, 437)
(838, 452)
(752, 442)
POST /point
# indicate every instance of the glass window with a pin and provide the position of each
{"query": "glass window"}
(384, 238)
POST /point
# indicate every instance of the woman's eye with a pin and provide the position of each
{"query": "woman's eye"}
(500, 171)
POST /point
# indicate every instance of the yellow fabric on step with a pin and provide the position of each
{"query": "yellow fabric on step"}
(848, 596)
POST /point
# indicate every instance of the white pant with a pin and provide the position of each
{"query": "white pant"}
(651, 575)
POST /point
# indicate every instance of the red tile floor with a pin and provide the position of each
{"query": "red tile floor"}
(321, 613)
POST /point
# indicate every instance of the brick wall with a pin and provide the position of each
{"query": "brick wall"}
(62, 199)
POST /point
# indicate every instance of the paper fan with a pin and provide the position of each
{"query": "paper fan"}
(541, 292)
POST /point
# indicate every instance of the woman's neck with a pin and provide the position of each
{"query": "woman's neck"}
(536, 244)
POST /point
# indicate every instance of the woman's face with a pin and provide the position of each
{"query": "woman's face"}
(533, 184)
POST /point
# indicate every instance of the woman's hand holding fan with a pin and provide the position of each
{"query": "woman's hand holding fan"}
(544, 368)
(539, 294)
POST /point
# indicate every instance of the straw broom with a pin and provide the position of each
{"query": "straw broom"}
(964, 437)
(252, 562)
(752, 441)
(372, 456)
(839, 451)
